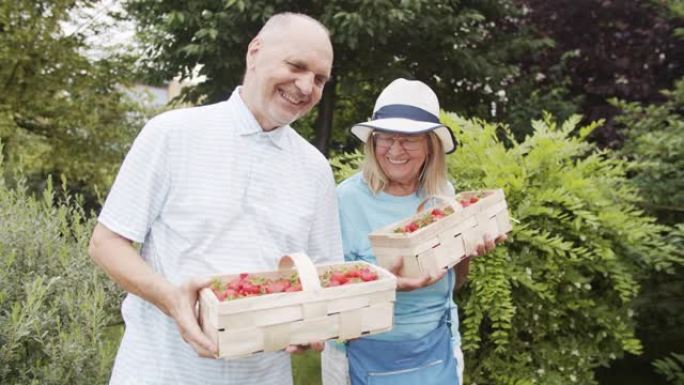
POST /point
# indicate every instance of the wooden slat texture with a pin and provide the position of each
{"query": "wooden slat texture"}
(446, 242)
(271, 322)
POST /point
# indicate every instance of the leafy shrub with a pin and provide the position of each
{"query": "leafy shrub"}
(56, 308)
(345, 165)
(672, 368)
(654, 141)
(556, 301)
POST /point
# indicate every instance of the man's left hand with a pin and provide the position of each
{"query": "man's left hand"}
(317, 346)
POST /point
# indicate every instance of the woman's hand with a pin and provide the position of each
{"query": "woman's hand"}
(408, 283)
(488, 244)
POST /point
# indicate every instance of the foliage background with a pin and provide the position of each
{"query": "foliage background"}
(59, 313)
(466, 50)
(62, 112)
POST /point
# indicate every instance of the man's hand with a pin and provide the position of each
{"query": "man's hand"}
(317, 346)
(408, 283)
(121, 261)
(182, 303)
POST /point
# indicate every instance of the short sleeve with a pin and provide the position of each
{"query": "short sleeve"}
(141, 186)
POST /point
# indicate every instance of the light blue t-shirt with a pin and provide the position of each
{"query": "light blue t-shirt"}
(416, 312)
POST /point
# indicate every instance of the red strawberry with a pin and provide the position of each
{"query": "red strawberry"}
(437, 213)
(474, 199)
(292, 288)
(368, 275)
(221, 295)
(338, 277)
(353, 273)
(464, 202)
(235, 284)
(411, 227)
(249, 288)
(275, 287)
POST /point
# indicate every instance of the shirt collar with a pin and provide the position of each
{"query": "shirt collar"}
(248, 124)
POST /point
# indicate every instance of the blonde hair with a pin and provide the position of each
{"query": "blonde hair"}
(433, 175)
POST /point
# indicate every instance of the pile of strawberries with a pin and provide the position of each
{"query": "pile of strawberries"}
(468, 201)
(347, 275)
(424, 220)
(434, 215)
(248, 285)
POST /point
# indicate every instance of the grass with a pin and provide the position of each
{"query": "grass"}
(306, 368)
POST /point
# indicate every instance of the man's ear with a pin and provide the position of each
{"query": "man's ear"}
(252, 50)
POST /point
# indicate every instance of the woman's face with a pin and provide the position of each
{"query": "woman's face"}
(401, 157)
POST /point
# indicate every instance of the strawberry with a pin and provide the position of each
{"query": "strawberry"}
(292, 288)
(340, 277)
(221, 295)
(249, 288)
(474, 199)
(368, 275)
(276, 287)
(437, 213)
(235, 284)
(411, 227)
(353, 273)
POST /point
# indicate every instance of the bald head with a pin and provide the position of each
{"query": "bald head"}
(277, 23)
(288, 64)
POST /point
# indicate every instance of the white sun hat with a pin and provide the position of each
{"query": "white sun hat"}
(406, 107)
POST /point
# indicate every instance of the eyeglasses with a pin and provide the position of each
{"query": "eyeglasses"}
(408, 142)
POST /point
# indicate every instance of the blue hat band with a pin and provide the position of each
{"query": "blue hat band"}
(404, 111)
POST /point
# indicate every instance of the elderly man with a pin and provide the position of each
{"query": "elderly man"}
(222, 188)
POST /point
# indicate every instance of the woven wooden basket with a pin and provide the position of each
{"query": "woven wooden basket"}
(271, 322)
(445, 242)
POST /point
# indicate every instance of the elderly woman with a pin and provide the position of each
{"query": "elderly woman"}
(405, 148)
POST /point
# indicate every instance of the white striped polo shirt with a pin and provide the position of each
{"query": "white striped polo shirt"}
(207, 191)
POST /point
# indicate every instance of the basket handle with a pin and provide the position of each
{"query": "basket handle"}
(308, 275)
(443, 198)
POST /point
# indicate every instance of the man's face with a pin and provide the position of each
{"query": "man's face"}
(286, 74)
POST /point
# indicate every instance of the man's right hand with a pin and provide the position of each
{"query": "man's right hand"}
(181, 307)
(121, 261)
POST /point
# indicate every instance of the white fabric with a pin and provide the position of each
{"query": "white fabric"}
(458, 353)
(208, 192)
(334, 365)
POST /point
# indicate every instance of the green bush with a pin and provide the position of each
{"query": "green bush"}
(654, 142)
(672, 368)
(57, 310)
(557, 301)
